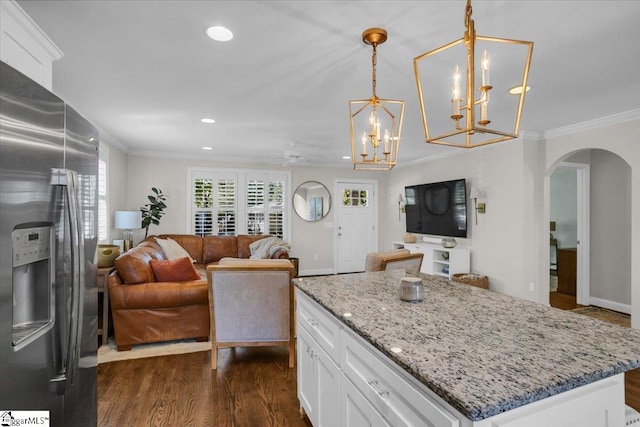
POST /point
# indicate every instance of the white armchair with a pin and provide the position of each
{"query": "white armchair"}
(251, 303)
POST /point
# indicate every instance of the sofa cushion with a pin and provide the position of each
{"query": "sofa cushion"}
(173, 249)
(134, 266)
(214, 248)
(159, 295)
(174, 270)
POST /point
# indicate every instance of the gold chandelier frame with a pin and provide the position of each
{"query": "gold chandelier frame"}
(388, 108)
(467, 109)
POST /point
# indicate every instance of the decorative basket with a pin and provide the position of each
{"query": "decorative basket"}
(477, 280)
(409, 238)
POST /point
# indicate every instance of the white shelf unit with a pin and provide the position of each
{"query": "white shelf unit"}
(439, 261)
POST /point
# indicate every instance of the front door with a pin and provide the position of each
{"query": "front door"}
(356, 224)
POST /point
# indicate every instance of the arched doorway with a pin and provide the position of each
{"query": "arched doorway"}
(604, 246)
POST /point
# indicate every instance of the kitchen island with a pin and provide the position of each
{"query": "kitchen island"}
(463, 356)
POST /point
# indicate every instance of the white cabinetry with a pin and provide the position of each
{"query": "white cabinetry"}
(24, 46)
(318, 373)
(439, 261)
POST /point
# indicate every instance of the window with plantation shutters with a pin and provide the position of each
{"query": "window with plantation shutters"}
(265, 204)
(276, 207)
(255, 207)
(214, 205)
(227, 207)
(103, 222)
(228, 202)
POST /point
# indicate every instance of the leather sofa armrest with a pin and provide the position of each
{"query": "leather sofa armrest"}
(280, 255)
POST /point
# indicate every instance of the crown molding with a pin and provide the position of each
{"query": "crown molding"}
(13, 9)
(593, 124)
(105, 137)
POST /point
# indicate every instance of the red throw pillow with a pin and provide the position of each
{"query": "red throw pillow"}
(174, 270)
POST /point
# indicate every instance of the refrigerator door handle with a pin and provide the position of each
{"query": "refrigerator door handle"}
(69, 180)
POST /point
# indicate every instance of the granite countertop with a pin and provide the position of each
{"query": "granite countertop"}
(481, 351)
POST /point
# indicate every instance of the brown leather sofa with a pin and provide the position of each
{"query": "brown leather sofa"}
(145, 310)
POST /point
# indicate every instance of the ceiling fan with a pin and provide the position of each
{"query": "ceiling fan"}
(292, 157)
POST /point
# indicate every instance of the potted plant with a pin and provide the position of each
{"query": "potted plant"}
(153, 211)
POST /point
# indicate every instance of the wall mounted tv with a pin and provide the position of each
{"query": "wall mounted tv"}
(439, 208)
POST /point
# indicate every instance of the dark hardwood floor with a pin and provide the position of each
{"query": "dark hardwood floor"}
(252, 387)
(631, 378)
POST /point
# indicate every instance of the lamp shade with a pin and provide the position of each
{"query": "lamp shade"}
(474, 193)
(128, 220)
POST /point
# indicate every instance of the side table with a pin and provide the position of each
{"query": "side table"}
(101, 284)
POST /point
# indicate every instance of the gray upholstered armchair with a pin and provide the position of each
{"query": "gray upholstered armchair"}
(394, 260)
(251, 303)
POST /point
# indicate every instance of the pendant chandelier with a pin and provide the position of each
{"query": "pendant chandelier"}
(376, 123)
(451, 99)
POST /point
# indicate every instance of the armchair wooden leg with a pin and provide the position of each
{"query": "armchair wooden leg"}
(292, 355)
(214, 357)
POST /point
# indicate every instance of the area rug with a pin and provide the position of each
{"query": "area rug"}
(610, 316)
(109, 352)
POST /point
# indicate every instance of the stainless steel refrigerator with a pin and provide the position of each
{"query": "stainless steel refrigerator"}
(48, 236)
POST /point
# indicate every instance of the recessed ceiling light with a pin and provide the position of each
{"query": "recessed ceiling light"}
(207, 148)
(207, 120)
(346, 157)
(517, 90)
(220, 34)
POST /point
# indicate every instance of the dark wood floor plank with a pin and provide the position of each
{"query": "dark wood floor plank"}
(251, 387)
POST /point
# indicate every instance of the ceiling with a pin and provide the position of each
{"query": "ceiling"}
(144, 72)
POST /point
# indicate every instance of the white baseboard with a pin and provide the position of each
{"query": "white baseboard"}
(317, 272)
(611, 305)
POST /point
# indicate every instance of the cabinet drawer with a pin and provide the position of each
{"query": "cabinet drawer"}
(398, 401)
(320, 324)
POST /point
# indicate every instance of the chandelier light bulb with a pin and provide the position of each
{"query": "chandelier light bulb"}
(485, 64)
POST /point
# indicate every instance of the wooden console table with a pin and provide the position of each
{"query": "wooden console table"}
(567, 267)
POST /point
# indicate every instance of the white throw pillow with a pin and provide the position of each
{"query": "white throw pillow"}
(172, 249)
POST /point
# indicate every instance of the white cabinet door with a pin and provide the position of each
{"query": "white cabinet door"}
(323, 327)
(307, 375)
(356, 410)
(328, 383)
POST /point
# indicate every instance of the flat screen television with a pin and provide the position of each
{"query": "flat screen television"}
(438, 208)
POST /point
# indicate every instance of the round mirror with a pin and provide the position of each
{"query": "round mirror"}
(312, 201)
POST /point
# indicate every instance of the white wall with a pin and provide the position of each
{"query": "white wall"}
(610, 270)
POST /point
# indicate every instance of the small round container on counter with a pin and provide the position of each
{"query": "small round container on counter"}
(411, 289)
